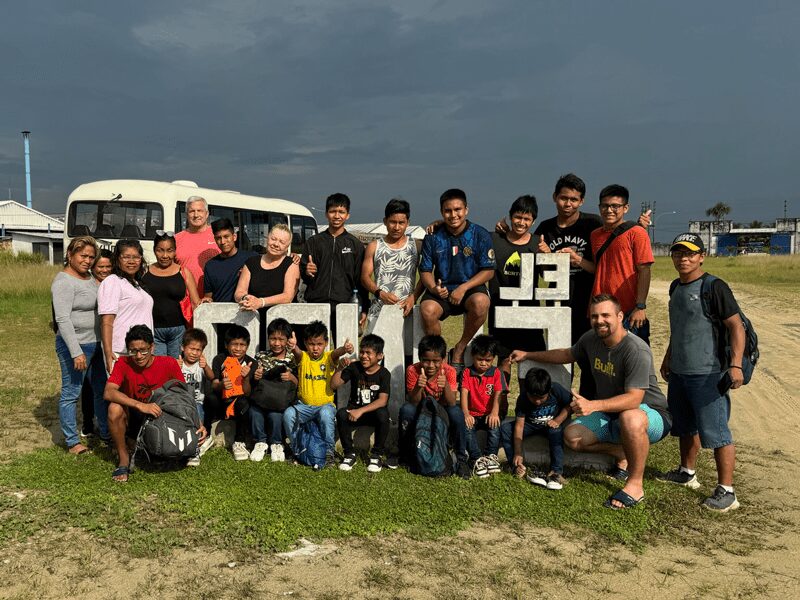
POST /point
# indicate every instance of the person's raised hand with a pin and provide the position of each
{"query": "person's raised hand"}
(226, 381)
(203, 362)
(423, 379)
(502, 227)
(580, 405)
(246, 367)
(645, 218)
(259, 372)
(349, 348)
(441, 290)
(433, 226)
(542, 246)
(311, 268)
(441, 380)
(517, 356)
(292, 343)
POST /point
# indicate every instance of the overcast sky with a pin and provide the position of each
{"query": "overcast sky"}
(686, 103)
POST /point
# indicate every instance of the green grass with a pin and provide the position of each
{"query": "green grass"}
(265, 506)
(779, 271)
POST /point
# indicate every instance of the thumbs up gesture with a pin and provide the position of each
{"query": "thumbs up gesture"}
(543, 247)
(292, 343)
(440, 290)
(246, 369)
(311, 268)
(348, 346)
(441, 380)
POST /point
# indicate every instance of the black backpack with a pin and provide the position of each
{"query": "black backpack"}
(751, 353)
(173, 434)
(430, 456)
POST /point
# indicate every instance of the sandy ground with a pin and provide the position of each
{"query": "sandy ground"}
(511, 564)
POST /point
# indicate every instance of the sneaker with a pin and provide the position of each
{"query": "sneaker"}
(240, 451)
(462, 469)
(721, 500)
(536, 477)
(555, 481)
(330, 460)
(194, 461)
(479, 469)
(87, 434)
(259, 450)
(392, 462)
(276, 453)
(374, 464)
(680, 477)
(348, 462)
(492, 464)
(207, 444)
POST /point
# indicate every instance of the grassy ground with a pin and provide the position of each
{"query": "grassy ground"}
(257, 507)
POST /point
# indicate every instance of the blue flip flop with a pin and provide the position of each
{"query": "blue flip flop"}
(617, 473)
(623, 498)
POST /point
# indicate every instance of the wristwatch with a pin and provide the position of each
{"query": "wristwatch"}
(641, 305)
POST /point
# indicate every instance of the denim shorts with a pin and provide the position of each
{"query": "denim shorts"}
(697, 408)
(605, 426)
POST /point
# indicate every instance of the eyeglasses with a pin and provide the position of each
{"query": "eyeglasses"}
(684, 254)
(612, 207)
(139, 352)
(131, 258)
(162, 233)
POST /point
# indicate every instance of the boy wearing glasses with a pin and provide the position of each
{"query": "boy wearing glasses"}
(698, 372)
(129, 388)
(622, 260)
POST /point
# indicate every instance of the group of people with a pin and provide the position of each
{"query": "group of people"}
(134, 326)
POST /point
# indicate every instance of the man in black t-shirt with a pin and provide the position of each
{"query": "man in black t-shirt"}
(370, 383)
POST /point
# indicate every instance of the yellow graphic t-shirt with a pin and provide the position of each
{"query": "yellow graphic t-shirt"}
(315, 379)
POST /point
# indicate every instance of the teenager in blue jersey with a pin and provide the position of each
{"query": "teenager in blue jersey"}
(457, 262)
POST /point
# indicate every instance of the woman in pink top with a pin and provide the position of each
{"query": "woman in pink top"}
(121, 301)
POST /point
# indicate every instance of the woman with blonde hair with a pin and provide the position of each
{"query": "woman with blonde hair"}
(77, 338)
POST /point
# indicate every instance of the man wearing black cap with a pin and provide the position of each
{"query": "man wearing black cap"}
(698, 373)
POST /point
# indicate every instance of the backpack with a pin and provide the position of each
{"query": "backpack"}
(309, 446)
(430, 455)
(751, 353)
(174, 433)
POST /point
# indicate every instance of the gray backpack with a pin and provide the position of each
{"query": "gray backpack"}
(174, 433)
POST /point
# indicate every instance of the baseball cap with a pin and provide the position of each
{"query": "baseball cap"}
(690, 241)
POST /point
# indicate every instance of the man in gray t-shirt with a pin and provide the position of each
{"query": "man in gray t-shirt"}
(629, 411)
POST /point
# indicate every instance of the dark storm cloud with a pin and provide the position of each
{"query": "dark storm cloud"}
(688, 105)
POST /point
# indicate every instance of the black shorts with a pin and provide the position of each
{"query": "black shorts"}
(136, 419)
(449, 309)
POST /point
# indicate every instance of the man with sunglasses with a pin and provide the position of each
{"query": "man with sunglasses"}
(623, 258)
(697, 370)
(129, 388)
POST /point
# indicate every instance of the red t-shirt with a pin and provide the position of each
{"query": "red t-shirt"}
(481, 388)
(616, 270)
(139, 383)
(194, 250)
(431, 388)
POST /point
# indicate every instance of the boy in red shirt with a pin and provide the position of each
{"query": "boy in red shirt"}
(481, 387)
(129, 388)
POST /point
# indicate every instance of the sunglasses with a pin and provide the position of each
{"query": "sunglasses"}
(162, 233)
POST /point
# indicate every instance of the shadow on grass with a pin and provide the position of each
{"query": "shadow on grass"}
(46, 414)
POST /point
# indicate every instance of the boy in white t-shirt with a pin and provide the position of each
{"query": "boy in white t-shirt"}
(196, 371)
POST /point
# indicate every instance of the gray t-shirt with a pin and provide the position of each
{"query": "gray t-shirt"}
(694, 344)
(75, 311)
(628, 365)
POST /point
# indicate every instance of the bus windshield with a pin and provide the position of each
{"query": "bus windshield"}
(117, 220)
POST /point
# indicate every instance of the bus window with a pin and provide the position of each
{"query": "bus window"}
(255, 226)
(309, 227)
(297, 235)
(102, 219)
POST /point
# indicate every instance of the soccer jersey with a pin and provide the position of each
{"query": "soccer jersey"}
(481, 388)
(456, 259)
(139, 383)
(315, 379)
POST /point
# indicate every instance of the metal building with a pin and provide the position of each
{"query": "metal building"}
(723, 239)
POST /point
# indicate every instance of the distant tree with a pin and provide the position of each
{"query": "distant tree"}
(718, 211)
(756, 225)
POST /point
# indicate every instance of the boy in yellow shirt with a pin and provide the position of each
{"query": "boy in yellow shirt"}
(315, 397)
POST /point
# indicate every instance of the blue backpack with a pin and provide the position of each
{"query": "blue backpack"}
(751, 353)
(309, 446)
(430, 439)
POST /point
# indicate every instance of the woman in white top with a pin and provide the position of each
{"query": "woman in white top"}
(121, 301)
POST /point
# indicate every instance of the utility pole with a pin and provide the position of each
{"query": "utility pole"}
(26, 141)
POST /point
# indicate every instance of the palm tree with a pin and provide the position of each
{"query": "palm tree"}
(718, 211)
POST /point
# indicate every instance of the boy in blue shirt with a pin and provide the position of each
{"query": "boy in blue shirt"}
(542, 408)
(457, 263)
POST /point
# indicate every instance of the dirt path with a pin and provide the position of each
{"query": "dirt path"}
(488, 561)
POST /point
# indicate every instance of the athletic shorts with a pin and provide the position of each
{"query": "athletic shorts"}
(449, 309)
(605, 426)
(697, 408)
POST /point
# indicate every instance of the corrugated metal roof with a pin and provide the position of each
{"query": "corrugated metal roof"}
(18, 216)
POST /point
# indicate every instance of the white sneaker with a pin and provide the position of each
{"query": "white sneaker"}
(207, 444)
(194, 461)
(259, 450)
(492, 464)
(374, 464)
(276, 453)
(240, 451)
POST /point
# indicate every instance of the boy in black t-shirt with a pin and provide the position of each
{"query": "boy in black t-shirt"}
(369, 396)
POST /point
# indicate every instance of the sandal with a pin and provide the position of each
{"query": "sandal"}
(617, 473)
(120, 474)
(623, 498)
(458, 366)
(77, 449)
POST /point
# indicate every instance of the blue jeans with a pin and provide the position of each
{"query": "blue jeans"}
(300, 414)
(168, 340)
(555, 439)
(71, 384)
(697, 407)
(260, 418)
(492, 438)
(458, 428)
